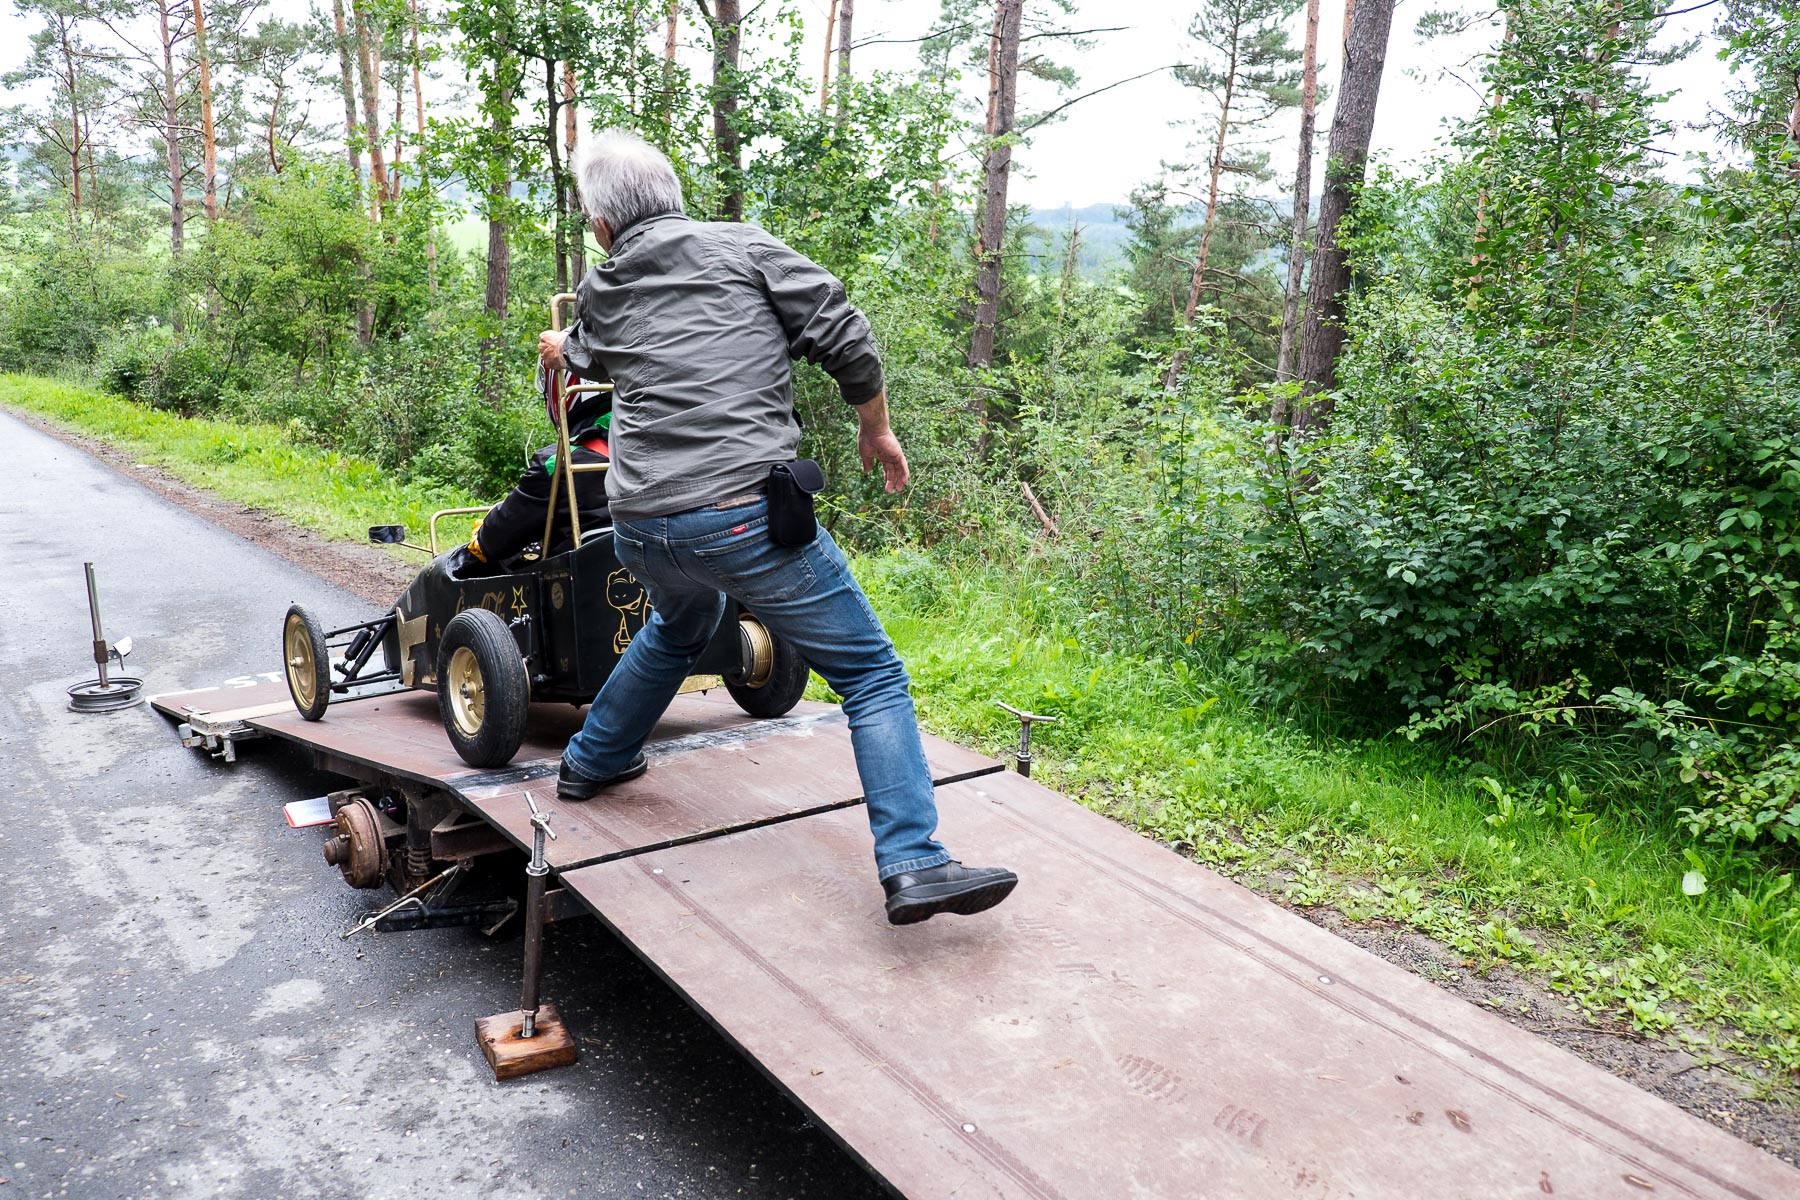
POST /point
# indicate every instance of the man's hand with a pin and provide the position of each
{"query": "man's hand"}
(877, 443)
(550, 348)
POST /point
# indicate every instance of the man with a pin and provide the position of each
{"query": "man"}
(696, 324)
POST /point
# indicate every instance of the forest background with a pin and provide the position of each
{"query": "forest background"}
(1423, 545)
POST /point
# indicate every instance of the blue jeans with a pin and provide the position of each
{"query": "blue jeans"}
(688, 563)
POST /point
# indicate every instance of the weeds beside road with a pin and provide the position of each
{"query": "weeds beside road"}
(1598, 905)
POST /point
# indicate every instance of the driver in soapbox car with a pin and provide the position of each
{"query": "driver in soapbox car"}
(518, 521)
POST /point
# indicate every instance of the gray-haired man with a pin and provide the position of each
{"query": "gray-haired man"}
(696, 324)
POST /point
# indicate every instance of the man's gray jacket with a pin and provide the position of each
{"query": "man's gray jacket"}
(696, 323)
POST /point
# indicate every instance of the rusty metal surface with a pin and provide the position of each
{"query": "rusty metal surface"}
(711, 768)
(1128, 1024)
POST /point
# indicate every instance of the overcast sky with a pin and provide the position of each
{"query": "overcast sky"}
(1111, 143)
(1107, 145)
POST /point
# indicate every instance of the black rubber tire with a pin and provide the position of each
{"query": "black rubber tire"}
(314, 676)
(486, 734)
(778, 694)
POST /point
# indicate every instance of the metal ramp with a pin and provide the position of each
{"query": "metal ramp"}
(1128, 1024)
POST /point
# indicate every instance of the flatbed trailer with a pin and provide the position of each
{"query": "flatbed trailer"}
(1128, 1024)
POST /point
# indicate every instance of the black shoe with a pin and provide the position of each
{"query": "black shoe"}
(914, 896)
(573, 785)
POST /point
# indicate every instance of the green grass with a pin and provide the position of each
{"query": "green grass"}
(255, 465)
(1583, 896)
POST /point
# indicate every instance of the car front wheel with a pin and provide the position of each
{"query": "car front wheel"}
(484, 694)
(306, 661)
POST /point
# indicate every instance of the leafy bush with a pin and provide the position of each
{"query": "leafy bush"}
(128, 363)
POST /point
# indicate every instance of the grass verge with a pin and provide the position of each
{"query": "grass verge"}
(1580, 897)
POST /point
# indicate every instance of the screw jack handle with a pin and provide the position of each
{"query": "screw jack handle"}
(1026, 721)
(536, 873)
(100, 647)
(540, 829)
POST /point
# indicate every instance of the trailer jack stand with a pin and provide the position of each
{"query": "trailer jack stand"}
(533, 1037)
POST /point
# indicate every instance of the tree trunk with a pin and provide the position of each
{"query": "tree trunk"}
(208, 140)
(366, 42)
(727, 35)
(87, 142)
(172, 143)
(348, 86)
(671, 27)
(1290, 308)
(275, 123)
(1215, 168)
(559, 225)
(499, 254)
(431, 273)
(825, 71)
(68, 55)
(399, 130)
(1365, 53)
(365, 312)
(996, 170)
(571, 132)
(846, 13)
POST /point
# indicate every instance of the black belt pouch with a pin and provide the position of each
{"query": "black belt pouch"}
(792, 486)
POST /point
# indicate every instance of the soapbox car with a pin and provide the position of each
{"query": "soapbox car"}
(546, 628)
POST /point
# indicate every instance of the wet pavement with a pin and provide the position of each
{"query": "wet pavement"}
(184, 1019)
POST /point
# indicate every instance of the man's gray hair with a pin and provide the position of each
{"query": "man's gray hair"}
(624, 179)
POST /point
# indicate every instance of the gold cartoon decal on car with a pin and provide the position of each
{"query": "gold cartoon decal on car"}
(627, 597)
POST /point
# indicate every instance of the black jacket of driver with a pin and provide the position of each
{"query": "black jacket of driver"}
(518, 521)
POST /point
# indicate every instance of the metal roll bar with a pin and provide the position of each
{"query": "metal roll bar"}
(565, 465)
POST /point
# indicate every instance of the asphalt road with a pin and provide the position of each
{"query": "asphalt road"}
(180, 1015)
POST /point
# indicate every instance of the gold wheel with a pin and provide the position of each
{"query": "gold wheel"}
(302, 667)
(758, 651)
(468, 694)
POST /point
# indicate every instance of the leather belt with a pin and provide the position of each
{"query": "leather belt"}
(740, 501)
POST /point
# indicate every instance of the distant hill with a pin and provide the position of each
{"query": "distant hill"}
(1100, 251)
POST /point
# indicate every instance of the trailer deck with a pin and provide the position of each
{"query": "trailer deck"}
(1127, 1024)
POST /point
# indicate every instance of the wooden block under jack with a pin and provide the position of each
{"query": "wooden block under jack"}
(511, 1055)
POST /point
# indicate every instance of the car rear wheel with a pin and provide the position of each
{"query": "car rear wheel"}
(484, 694)
(306, 661)
(773, 676)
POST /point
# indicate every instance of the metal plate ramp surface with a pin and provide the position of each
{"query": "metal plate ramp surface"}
(712, 769)
(1128, 1024)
